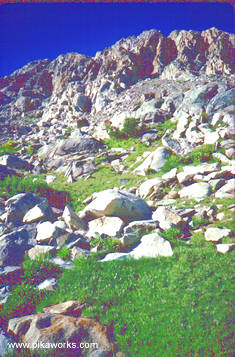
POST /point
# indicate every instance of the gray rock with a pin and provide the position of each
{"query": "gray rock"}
(72, 220)
(224, 248)
(69, 308)
(220, 101)
(62, 263)
(38, 213)
(77, 145)
(227, 144)
(154, 162)
(190, 171)
(57, 328)
(48, 284)
(13, 247)
(18, 205)
(48, 231)
(82, 102)
(134, 230)
(4, 295)
(222, 158)
(39, 250)
(227, 190)
(152, 246)
(77, 252)
(168, 219)
(50, 178)
(115, 256)
(110, 226)
(149, 187)
(5, 342)
(195, 191)
(149, 137)
(14, 162)
(74, 239)
(230, 153)
(170, 175)
(179, 147)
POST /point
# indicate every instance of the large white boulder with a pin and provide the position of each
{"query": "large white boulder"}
(116, 203)
(150, 246)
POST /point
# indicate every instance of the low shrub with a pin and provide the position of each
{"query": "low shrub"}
(132, 128)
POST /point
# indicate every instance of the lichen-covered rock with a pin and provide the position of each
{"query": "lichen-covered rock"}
(69, 331)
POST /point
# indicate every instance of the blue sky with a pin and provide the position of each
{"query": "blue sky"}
(38, 31)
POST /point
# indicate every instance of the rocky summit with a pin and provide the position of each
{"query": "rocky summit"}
(108, 165)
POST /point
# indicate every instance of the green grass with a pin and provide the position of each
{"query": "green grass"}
(24, 297)
(162, 127)
(200, 222)
(14, 185)
(106, 245)
(132, 128)
(176, 306)
(64, 253)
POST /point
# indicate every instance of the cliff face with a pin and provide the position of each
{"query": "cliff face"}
(74, 84)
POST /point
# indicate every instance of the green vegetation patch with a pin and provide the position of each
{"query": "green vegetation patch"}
(13, 185)
(132, 128)
(10, 147)
(174, 306)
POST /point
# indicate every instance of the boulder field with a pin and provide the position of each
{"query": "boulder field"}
(178, 93)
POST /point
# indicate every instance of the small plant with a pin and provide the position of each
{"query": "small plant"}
(161, 127)
(106, 244)
(172, 233)
(202, 154)
(131, 129)
(173, 161)
(64, 253)
(199, 222)
(30, 150)
(22, 301)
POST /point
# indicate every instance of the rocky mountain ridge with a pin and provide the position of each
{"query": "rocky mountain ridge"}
(73, 86)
